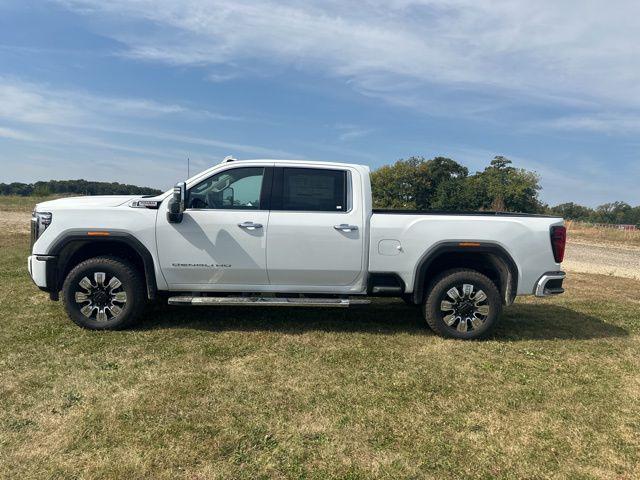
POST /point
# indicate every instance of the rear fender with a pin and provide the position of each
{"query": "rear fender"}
(500, 260)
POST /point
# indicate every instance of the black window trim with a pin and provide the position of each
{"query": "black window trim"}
(278, 189)
(265, 190)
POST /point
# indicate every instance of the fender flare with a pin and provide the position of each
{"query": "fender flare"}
(433, 253)
(69, 242)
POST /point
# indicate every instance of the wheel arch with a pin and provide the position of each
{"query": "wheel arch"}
(76, 246)
(488, 258)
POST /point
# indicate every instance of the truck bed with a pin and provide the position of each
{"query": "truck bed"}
(400, 238)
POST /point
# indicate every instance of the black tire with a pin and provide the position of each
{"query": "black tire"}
(121, 305)
(465, 317)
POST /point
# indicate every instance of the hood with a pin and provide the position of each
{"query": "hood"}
(85, 202)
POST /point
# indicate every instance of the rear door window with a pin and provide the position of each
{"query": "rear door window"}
(314, 189)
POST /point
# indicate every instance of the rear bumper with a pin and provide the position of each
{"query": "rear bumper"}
(550, 284)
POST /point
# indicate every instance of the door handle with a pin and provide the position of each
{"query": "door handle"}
(344, 227)
(250, 225)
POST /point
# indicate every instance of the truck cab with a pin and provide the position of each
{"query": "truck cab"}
(269, 226)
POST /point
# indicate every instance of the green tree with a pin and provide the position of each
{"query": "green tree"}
(443, 184)
(614, 212)
(572, 211)
(415, 183)
(81, 187)
(42, 189)
(634, 216)
(502, 187)
(401, 185)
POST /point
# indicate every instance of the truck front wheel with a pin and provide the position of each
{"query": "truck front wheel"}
(104, 293)
(463, 304)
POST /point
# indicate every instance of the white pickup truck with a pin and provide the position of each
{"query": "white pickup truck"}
(292, 233)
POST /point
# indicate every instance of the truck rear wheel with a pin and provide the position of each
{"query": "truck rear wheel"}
(463, 304)
(104, 293)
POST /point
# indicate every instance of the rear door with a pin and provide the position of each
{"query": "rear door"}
(316, 229)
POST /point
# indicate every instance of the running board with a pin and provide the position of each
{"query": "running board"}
(267, 301)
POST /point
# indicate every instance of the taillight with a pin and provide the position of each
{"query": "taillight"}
(558, 241)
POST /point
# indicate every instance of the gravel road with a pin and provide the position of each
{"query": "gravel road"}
(607, 259)
(617, 260)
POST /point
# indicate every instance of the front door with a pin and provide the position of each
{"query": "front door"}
(316, 230)
(221, 241)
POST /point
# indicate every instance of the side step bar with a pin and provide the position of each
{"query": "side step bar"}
(267, 301)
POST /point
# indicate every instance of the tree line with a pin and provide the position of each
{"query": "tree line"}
(79, 187)
(444, 184)
(613, 212)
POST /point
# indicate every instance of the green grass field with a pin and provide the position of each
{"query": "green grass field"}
(283, 393)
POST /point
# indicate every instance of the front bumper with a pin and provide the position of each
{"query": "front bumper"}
(550, 284)
(42, 269)
(38, 271)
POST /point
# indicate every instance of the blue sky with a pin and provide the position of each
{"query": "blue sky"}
(125, 91)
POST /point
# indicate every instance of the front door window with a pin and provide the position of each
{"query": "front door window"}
(237, 189)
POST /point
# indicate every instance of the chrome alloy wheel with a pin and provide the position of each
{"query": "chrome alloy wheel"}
(100, 300)
(464, 308)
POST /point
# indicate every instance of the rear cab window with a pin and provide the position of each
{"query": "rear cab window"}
(313, 190)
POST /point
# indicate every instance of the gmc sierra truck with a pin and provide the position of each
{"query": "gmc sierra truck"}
(287, 233)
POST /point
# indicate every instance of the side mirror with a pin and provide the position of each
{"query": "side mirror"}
(176, 204)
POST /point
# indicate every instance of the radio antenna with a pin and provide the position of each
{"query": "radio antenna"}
(188, 167)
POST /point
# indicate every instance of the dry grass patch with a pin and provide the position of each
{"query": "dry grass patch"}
(16, 203)
(584, 232)
(15, 222)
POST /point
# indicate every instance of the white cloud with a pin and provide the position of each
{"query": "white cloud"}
(14, 134)
(72, 133)
(36, 103)
(219, 144)
(221, 77)
(351, 132)
(602, 122)
(27, 104)
(470, 56)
